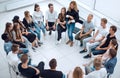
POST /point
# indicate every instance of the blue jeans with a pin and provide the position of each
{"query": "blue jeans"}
(41, 27)
(26, 41)
(36, 32)
(8, 45)
(70, 28)
(97, 52)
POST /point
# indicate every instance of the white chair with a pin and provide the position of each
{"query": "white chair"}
(14, 72)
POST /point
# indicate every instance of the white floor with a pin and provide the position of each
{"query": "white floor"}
(67, 57)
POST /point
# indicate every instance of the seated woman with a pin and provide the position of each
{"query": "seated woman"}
(111, 61)
(108, 62)
(30, 36)
(72, 17)
(8, 31)
(29, 24)
(113, 45)
(61, 24)
(38, 18)
(17, 35)
(8, 45)
(76, 73)
(7, 37)
(27, 70)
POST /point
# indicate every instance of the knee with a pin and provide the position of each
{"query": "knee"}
(41, 63)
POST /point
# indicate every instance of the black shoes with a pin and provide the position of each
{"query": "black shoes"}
(50, 32)
(83, 51)
(87, 56)
(81, 45)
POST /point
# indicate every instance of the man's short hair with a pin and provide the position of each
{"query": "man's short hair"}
(91, 15)
(50, 4)
(24, 58)
(97, 61)
(15, 47)
(104, 20)
(53, 63)
(114, 28)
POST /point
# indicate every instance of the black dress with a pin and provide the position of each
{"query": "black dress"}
(31, 37)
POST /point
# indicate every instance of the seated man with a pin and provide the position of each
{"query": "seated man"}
(86, 30)
(12, 57)
(52, 72)
(97, 38)
(98, 72)
(29, 71)
(51, 19)
(111, 62)
(102, 48)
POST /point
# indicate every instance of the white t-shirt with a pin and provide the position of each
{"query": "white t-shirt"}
(13, 59)
(38, 16)
(97, 74)
(102, 32)
(51, 17)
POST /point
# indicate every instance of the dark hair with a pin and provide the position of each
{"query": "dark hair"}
(36, 5)
(15, 19)
(4, 36)
(115, 43)
(104, 20)
(112, 53)
(50, 4)
(62, 17)
(114, 28)
(15, 47)
(53, 63)
(24, 58)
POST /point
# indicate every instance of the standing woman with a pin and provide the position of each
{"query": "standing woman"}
(72, 17)
(61, 24)
(38, 18)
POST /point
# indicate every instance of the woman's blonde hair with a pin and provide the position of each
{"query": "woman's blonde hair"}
(77, 73)
(75, 6)
(26, 13)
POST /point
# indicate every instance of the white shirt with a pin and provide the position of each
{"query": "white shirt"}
(97, 74)
(102, 32)
(38, 16)
(13, 59)
(51, 17)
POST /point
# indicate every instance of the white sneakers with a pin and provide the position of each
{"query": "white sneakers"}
(58, 42)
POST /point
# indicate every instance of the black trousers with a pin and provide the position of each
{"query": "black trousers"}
(60, 30)
(50, 24)
(41, 66)
(20, 44)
